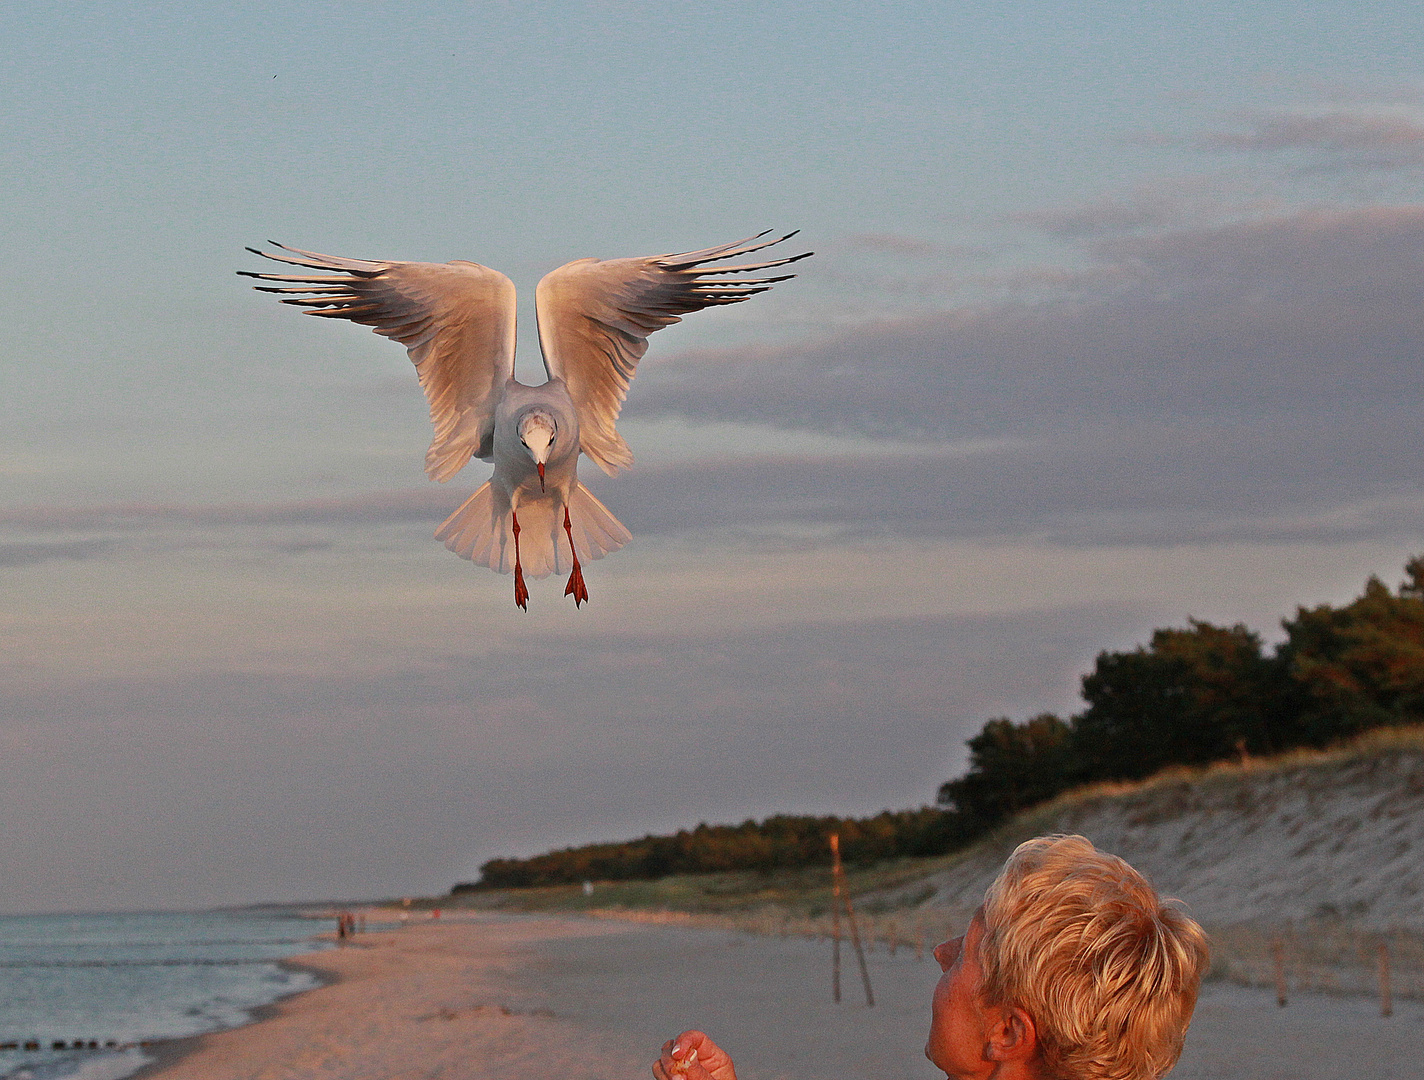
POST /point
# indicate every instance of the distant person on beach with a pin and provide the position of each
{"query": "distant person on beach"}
(1073, 969)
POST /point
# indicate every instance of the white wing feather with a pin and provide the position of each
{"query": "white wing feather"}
(455, 319)
(595, 317)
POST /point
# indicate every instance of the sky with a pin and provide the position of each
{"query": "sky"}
(1114, 321)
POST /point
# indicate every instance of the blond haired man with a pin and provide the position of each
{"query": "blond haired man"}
(1073, 969)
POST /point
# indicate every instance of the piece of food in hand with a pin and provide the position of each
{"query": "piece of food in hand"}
(686, 1063)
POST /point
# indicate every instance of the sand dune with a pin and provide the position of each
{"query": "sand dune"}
(1335, 836)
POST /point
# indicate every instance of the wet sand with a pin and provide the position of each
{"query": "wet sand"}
(520, 999)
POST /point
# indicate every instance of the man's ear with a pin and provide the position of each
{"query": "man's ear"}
(1011, 1036)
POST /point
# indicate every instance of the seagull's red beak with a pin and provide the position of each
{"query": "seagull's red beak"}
(540, 467)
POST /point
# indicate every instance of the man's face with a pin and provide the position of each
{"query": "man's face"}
(958, 1023)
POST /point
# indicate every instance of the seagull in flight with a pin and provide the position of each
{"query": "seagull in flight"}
(456, 320)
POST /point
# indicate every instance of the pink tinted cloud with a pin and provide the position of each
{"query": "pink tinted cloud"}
(1183, 379)
(1360, 139)
(1287, 312)
(894, 244)
(418, 504)
(1137, 211)
(912, 247)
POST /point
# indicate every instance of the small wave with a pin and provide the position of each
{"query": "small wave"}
(109, 1065)
(131, 979)
(186, 943)
(199, 961)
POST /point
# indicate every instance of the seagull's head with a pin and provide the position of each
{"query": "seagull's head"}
(537, 430)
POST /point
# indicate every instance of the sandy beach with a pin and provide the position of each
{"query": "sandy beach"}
(520, 998)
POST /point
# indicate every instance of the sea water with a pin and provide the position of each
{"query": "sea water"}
(120, 980)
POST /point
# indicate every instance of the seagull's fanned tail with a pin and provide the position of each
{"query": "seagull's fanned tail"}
(472, 532)
(480, 531)
(596, 530)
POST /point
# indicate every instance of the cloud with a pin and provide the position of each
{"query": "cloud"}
(1140, 210)
(1156, 482)
(1316, 312)
(1150, 483)
(30, 554)
(1183, 204)
(1374, 92)
(368, 508)
(301, 547)
(898, 245)
(1257, 379)
(893, 244)
(1340, 139)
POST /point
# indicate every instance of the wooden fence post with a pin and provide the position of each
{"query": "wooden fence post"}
(836, 918)
(842, 893)
(859, 953)
(1278, 954)
(1386, 998)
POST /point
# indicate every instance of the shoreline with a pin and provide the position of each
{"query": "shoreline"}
(167, 1053)
(383, 1001)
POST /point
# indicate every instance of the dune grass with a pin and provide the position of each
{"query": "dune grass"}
(800, 891)
(806, 891)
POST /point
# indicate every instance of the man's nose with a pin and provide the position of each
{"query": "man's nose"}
(946, 952)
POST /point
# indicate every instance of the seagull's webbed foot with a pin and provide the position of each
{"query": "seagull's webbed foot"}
(575, 587)
(521, 591)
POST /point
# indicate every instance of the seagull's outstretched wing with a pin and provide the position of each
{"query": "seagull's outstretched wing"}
(456, 320)
(595, 318)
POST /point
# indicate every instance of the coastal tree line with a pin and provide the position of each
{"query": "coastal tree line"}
(1190, 696)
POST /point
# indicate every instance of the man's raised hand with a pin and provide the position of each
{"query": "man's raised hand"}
(693, 1056)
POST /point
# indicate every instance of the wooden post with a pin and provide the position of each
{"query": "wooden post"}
(893, 933)
(859, 954)
(1386, 998)
(842, 893)
(836, 918)
(1278, 954)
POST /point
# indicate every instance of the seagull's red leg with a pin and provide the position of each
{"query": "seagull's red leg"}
(521, 592)
(575, 587)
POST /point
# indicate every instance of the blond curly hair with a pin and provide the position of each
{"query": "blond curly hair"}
(1107, 969)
